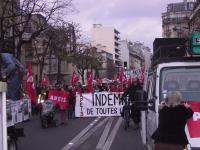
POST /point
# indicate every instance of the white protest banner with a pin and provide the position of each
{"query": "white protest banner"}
(98, 104)
(135, 73)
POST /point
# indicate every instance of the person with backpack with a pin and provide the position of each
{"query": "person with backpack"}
(12, 73)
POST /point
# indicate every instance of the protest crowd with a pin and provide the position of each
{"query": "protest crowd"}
(64, 96)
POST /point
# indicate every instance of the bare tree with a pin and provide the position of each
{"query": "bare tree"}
(86, 58)
(63, 45)
(22, 21)
(96, 61)
(57, 42)
(40, 55)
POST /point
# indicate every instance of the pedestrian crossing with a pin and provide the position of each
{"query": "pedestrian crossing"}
(110, 128)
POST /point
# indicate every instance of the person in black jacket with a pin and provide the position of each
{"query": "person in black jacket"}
(170, 134)
(131, 92)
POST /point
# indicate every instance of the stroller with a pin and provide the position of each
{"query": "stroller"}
(48, 114)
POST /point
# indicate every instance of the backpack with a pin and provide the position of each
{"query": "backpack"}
(19, 67)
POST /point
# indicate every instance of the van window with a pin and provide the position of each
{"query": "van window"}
(186, 80)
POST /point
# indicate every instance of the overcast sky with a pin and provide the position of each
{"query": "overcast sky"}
(137, 20)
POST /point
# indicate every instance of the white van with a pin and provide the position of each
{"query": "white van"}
(184, 76)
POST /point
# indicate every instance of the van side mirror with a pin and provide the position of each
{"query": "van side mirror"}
(143, 103)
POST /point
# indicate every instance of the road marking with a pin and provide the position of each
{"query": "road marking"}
(104, 134)
(112, 135)
(75, 139)
(89, 133)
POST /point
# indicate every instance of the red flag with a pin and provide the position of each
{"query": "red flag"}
(90, 81)
(74, 79)
(142, 75)
(99, 81)
(114, 78)
(124, 79)
(121, 75)
(45, 80)
(129, 80)
(30, 87)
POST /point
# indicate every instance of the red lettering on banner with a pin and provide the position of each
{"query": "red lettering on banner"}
(81, 105)
(194, 123)
(59, 98)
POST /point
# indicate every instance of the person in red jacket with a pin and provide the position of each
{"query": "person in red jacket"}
(72, 97)
(63, 110)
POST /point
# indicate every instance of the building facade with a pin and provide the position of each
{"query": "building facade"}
(9, 19)
(132, 54)
(136, 60)
(147, 57)
(125, 50)
(194, 22)
(175, 20)
(38, 50)
(109, 37)
(108, 68)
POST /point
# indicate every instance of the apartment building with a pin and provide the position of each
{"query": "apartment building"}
(194, 20)
(109, 37)
(132, 54)
(35, 50)
(175, 20)
(108, 68)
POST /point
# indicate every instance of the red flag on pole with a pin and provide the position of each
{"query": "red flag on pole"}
(129, 80)
(142, 75)
(124, 79)
(121, 75)
(114, 78)
(74, 79)
(30, 87)
(99, 81)
(45, 80)
(90, 81)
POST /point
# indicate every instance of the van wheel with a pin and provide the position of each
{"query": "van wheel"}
(12, 144)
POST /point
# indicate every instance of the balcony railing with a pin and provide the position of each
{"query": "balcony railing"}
(117, 37)
(117, 53)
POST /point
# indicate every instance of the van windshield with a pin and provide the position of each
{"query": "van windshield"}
(186, 80)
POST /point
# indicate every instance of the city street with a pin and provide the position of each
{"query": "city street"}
(81, 134)
(103, 62)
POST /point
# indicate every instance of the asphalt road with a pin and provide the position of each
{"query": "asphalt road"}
(81, 134)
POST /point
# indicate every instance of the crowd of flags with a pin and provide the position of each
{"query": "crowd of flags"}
(120, 78)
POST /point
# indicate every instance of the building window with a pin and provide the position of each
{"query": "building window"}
(28, 29)
(191, 6)
(169, 8)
